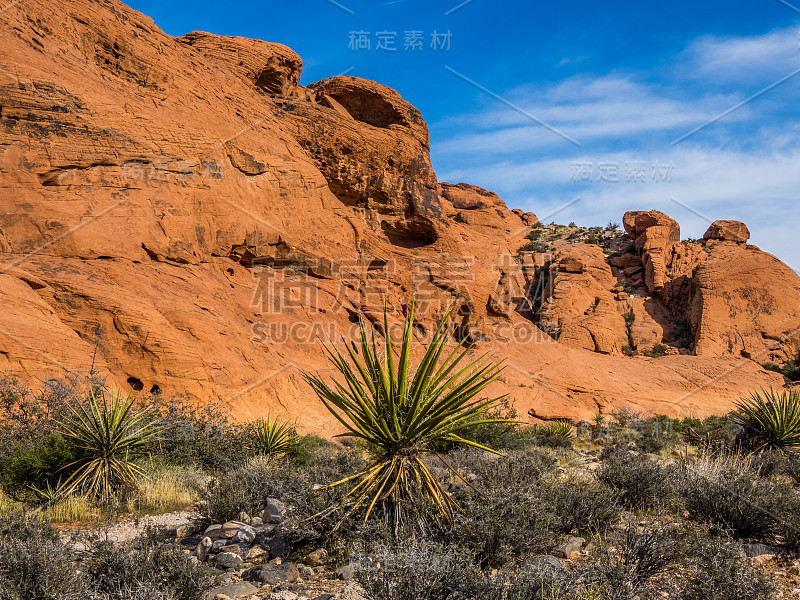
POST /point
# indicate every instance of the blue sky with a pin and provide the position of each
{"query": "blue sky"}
(577, 104)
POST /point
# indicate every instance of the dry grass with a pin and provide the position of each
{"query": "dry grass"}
(166, 489)
(72, 509)
(8, 504)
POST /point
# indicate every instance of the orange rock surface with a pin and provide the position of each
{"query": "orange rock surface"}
(180, 214)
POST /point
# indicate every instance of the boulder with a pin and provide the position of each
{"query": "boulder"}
(229, 529)
(317, 558)
(203, 549)
(272, 574)
(729, 231)
(273, 511)
(244, 535)
(228, 560)
(240, 589)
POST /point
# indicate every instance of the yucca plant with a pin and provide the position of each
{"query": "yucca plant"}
(402, 416)
(560, 428)
(770, 420)
(109, 435)
(275, 437)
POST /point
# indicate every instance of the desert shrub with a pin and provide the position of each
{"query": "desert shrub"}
(312, 512)
(791, 466)
(640, 482)
(769, 463)
(726, 491)
(33, 469)
(634, 564)
(580, 504)
(203, 436)
(517, 469)
(502, 432)
(658, 433)
(303, 451)
(683, 333)
(35, 563)
(657, 351)
(508, 518)
(714, 434)
(419, 570)
(147, 568)
(716, 567)
(28, 417)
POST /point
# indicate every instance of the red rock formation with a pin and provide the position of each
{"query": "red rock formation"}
(182, 215)
(732, 231)
(654, 233)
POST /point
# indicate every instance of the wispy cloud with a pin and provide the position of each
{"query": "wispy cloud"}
(736, 59)
(742, 167)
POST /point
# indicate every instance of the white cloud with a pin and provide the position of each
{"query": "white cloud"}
(722, 59)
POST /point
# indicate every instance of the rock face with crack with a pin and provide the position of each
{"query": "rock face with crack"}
(181, 214)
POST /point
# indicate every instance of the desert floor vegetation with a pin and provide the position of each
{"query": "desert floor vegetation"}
(622, 507)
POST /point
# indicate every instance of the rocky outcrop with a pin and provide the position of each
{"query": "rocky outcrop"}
(180, 215)
(654, 234)
(745, 303)
(273, 68)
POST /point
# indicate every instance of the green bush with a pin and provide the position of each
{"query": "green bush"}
(657, 351)
(659, 433)
(303, 451)
(33, 468)
(503, 432)
(683, 333)
(28, 416)
(714, 434)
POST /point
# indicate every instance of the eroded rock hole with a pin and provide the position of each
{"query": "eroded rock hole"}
(136, 384)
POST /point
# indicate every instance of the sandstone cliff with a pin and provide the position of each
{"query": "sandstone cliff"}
(182, 215)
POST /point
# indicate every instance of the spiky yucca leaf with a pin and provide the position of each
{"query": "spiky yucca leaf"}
(403, 414)
(110, 435)
(771, 419)
(275, 437)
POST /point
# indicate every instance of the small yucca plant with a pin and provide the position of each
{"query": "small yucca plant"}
(770, 420)
(402, 416)
(275, 437)
(109, 435)
(560, 428)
